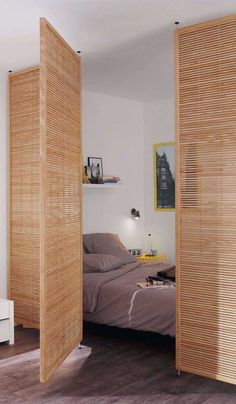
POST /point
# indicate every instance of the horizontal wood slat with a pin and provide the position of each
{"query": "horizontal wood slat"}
(206, 195)
(24, 215)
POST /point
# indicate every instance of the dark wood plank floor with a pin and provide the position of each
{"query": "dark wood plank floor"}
(26, 340)
(113, 366)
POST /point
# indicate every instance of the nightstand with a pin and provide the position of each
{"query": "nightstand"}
(6, 321)
(154, 258)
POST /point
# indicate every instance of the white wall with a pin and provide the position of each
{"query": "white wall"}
(18, 52)
(122, 132)
(113, 130)
(159, 126)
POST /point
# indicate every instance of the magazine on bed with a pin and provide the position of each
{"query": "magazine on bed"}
(147, 285)
(163, 279)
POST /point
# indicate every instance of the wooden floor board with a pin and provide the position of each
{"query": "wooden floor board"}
(113, 366)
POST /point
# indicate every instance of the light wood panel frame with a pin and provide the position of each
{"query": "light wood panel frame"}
(45, 199)
(61, 201)
(23, 202)
(205, 115)
(177, 199)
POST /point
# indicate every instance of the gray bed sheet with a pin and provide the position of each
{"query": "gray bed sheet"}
(114, 299)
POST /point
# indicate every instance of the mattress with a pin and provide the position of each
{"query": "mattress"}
(114, 299)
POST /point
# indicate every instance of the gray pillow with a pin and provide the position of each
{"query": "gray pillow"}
(100, 262)
(107, 243)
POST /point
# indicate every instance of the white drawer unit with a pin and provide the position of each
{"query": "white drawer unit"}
(6, 321)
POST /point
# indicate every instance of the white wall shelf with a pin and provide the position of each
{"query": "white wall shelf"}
(101, 186)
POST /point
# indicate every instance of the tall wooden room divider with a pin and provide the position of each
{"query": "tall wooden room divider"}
(45, 249)
(24, 206)
(206, 199)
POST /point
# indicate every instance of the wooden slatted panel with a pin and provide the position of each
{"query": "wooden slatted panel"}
(61, 199)
(206, 195)
(24, 221)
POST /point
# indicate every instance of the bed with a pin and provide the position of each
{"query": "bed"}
(113, 298)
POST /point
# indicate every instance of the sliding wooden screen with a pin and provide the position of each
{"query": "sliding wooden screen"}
(206, 199)
(61, 201)
(24, 183)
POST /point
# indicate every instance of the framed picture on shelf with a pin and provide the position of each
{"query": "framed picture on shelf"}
(164, 176)
(96, 162)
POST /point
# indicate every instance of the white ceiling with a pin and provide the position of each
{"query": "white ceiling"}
(127, 45)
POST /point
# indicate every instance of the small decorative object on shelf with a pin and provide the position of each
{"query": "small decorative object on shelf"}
(88, 172)
(94, 173)
(108, 179)
(152, 258)
(96, 162)
(85, 177)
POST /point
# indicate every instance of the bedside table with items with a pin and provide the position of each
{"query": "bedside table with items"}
(6, 321)
(152, 258)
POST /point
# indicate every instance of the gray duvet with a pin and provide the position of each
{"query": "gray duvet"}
(113, 298)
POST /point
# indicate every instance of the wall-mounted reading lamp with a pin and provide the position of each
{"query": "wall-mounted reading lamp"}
(135, 214)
